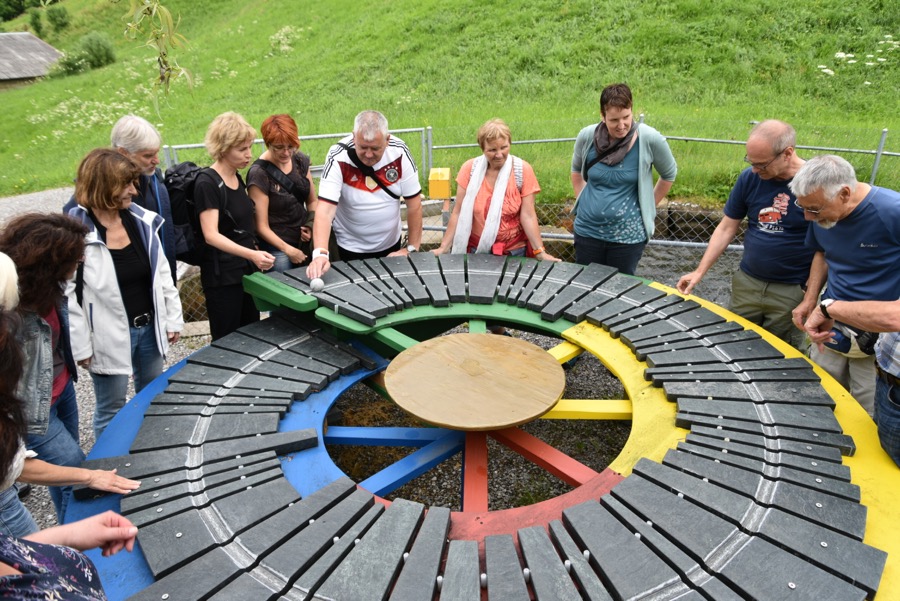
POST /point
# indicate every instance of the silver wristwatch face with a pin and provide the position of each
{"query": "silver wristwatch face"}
(411, 249)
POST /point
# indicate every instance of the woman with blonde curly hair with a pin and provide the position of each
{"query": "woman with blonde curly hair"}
(229, 228)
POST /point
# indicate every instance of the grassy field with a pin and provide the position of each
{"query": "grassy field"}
(698, 68)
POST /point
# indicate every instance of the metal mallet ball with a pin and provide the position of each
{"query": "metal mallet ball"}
(317, 285)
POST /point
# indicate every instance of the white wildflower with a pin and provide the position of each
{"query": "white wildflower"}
(867, 83)
(870, 64)
(822, 67)
(881, 60)
(850, 62)
(827, 71)
(840, 55)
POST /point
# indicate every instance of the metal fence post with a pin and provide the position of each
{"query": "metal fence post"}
(430, 138)
(167, 156)
(878, 154)
(422, 140)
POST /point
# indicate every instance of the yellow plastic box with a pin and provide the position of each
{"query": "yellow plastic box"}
(439, 183)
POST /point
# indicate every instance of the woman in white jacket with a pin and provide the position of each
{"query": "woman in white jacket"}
(122, 295)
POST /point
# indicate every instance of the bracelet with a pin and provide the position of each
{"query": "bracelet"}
(319, 252)
(538, 251)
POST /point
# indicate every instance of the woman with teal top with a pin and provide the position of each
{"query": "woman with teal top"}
(612, 176)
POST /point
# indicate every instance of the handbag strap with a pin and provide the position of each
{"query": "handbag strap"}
(280, 178)
(220, 185)
(366, 170)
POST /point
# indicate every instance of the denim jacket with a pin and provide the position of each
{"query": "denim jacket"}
(36, 385)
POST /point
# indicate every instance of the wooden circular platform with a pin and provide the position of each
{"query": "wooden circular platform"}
(475, 382)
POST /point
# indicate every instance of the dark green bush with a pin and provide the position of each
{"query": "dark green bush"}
(36, 22)
(58, 17)
(95, 50)
(98, 50)
(71, 63)
(10, 9)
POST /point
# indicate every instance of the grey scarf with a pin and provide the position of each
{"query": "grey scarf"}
(611, 152)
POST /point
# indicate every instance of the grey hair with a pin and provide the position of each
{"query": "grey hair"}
(369, 124)
(134, 134)
(780, 134)
(9, 283)
(826, 172)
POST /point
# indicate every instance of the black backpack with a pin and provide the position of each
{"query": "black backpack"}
(180, 179)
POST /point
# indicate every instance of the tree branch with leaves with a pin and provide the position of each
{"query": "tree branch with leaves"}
(151, 20)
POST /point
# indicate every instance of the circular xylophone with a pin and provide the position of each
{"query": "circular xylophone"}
(749, 473)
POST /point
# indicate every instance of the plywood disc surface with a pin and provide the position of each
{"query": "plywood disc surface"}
(475, 381)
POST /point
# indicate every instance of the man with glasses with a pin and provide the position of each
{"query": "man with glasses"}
(775, 265)
(856, 239)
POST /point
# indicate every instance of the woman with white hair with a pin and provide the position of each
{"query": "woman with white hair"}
(42, 564)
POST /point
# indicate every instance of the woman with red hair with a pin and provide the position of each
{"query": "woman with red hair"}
(282, 189)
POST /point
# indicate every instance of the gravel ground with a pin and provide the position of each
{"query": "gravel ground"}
(48, 201)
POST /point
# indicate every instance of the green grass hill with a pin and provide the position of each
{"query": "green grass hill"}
(698, 68)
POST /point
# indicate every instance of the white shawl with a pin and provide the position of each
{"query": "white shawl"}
(466, 213)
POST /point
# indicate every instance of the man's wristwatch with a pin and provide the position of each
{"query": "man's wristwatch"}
(823, 307)
(410, 248)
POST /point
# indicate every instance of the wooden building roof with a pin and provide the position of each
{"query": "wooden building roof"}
(25, 56)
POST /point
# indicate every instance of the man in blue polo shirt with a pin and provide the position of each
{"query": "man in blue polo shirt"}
(857, 242)
(775, 264)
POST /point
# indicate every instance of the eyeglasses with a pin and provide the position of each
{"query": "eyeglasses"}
(805, 210)
(280, 148)
(762, 166)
